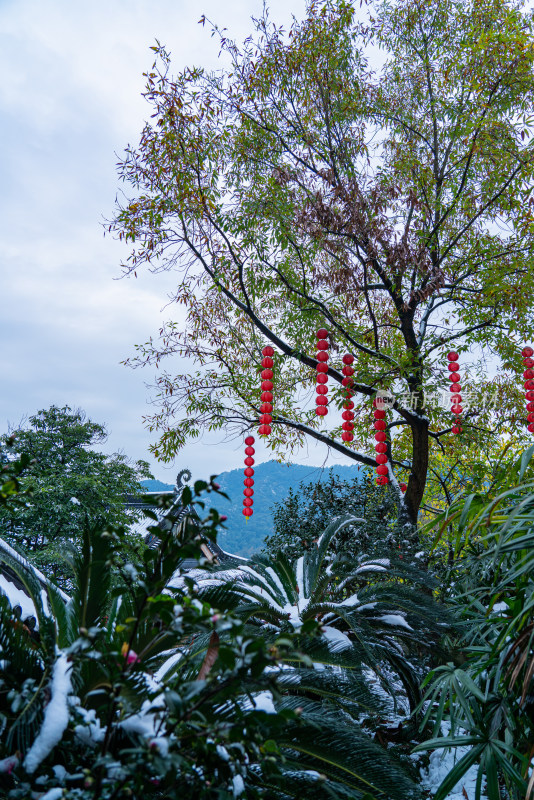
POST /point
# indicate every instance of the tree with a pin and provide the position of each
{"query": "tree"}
(298, 189)
(300, 519)
(66, 484)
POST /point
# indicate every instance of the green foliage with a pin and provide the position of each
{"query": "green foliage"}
(68, 483)
(302, 517)
(488, 700)
(376, 611)
(151, 691)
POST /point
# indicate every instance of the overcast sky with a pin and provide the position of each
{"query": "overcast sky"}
(70, 100)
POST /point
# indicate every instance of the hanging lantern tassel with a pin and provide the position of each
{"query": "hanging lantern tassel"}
(266, 391)
(381, 446)
(249, 480)
(456, 397)
(321, 401)
(528, 375)
(348, 406)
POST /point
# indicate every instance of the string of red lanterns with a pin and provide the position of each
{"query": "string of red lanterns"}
(380, 446)
(528, 375)
(348, 413)
(456, 397)
(249, 480)
(321, 401)
(266, 391)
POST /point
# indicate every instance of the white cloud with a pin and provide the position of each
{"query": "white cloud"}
(70, 98)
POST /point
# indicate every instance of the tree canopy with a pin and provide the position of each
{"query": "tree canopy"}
(66, 484)
(302, 186)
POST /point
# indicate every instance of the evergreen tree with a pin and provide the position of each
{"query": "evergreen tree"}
(66, 483)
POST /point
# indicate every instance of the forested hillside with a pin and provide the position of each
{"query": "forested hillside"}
(272, 484)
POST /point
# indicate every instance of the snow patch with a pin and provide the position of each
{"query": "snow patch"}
(56, 715)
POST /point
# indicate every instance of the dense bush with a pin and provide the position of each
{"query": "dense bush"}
(145, 689)
(487, 700)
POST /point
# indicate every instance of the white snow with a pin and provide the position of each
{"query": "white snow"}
(56, 715)
(17, 597)
(238, 785)
(441, 763)
(339, 639)
(75, 501)
(395, 619)
(53, 794)
(264, 702)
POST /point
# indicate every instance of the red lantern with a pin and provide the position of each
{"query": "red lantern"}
(268, 351)
(266, 394)
(382, 480)
(249, 480)
(528, 374)
(267, 362)
(380, 436)
(267, 374)
(527, 352)
(381, 458)
(403, 487)
(321, 386)
(456, 397)
(381, 447)
(348, 359)
(530, 427)
(380, 424)
(528, 362)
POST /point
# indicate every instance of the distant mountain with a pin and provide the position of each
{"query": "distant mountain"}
(272, 482)
(156, 486)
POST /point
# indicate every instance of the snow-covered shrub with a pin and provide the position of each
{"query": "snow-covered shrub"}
(148, 690)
